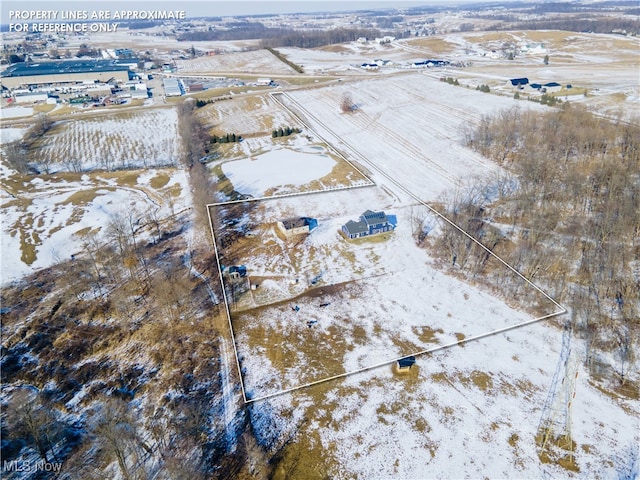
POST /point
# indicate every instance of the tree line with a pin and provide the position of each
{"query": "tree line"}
(121, 373)
(566, 215)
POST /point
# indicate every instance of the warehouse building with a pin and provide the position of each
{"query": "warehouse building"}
(63, 72)
(173, 87)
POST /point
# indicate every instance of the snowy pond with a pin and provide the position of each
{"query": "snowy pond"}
(276, 168)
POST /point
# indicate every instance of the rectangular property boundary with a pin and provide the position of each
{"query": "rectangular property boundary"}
(560, 308)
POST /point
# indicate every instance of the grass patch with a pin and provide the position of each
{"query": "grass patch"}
(159, 181)
(426, 334)
(555, 451)
(436, 45)
(28, 245)
(513, 440)
(370, 239)
(127, 179)
(81, 197)
(481, 380)
(44, 108)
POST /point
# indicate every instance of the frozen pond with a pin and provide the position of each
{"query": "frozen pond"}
(277, 168)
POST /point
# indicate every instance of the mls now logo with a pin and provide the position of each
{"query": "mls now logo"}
(27, 466)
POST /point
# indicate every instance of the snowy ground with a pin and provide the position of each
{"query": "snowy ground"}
(44, 220)
(259, 62)
(410, 126)
(467, 411)
(45, 217)
(283, 171)
(117, 140)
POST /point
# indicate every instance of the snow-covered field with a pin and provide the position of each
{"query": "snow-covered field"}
(122, 140)
(284, 171)
(44, 219)
(467, 411)
(254, 176)
(259, 62)
(410, 126)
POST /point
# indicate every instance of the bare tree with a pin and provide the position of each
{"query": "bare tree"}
(346, 103)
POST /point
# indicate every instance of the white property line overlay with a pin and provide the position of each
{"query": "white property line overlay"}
(562, 309)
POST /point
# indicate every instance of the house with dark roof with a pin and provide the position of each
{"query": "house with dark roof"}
(297, 226)
(370, 223)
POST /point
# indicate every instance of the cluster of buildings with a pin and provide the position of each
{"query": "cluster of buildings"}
(32, 82)
(370, 223)
(549, 87)
(101, 81)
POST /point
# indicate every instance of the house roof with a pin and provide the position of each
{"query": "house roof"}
(63, 67)
(292, 223)
(519, 81)
(355, 228)
(374, 218)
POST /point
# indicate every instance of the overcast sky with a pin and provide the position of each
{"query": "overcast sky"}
(198, 8)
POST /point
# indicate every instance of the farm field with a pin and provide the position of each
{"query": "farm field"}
(604, 64)
(113, 140)
(47, 218)
(260, 62)
(408, 132)
(410, 127)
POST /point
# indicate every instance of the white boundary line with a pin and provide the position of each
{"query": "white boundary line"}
(561, 308)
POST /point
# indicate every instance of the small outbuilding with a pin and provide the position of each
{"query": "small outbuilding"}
(237, 271)
(297, 226)
(406, 363)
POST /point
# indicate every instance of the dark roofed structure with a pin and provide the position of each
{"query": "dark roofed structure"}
(65, 72)
(24, 69)
(370, 223)
(355, 229)
(517, 82)
(292, 223)
(297, 226)
(406, 363)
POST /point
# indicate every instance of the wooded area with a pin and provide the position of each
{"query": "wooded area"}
(566, 215)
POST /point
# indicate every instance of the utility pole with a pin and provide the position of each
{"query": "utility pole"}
(556, 418)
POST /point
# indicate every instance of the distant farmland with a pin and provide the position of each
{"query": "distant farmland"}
(124, 140)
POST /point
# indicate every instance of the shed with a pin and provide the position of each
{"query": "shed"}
(406, 363)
